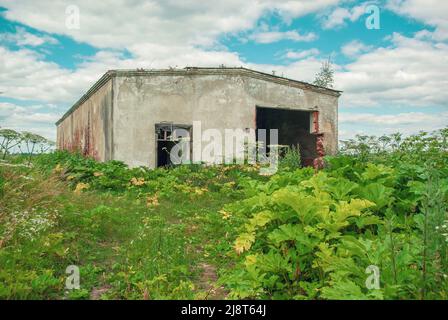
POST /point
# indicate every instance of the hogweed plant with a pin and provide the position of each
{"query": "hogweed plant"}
(372, 224)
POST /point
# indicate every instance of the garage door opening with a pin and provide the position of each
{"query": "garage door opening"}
(169, 135)
(295, 129)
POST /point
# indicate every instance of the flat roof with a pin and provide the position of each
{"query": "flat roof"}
(237, 71)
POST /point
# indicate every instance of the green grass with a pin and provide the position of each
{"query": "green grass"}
(124, 249)
(200, 232)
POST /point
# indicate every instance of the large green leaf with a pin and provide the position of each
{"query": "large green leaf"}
(376, 193)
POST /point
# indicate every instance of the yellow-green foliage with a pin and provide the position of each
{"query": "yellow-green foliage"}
(171, 233)
(312, 236)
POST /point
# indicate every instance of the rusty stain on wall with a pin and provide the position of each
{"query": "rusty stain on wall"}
(318, 162)
(83, 129)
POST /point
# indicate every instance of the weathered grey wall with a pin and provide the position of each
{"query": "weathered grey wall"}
(218, 101)
(88, 129)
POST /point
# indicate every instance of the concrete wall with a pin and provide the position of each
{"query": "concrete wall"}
(219, 101)
(88, 129)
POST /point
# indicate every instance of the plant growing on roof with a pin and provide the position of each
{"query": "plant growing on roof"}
(325, 77)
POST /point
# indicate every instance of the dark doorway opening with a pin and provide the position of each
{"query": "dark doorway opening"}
(294, 130)
(169, 135)
(163, 153)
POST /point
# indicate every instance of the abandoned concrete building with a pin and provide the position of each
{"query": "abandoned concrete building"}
(130, 115)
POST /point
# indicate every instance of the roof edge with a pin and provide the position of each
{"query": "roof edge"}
(201, 71)
(226, 70)
(96, 86)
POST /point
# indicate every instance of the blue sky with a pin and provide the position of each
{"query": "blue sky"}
(394, 78)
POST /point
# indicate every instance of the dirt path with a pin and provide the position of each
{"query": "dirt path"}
(97, 292)
(207, 283)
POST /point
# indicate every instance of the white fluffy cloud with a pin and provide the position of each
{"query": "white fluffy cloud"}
(36, 118)
(354, 48)
(339, 16)
(374, 124)
(303, 69)
(407, 118)
(158, 34)
(23, 38)
(124, 23)
(25, 76)
(301, 54)
(410, 72)
(274, 36)
(431, 12)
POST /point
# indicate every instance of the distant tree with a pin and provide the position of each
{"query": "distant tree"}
(32, 142)
(9, 139)
(47, 145)
(325, 77)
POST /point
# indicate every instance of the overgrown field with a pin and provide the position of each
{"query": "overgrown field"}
(197, 232)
